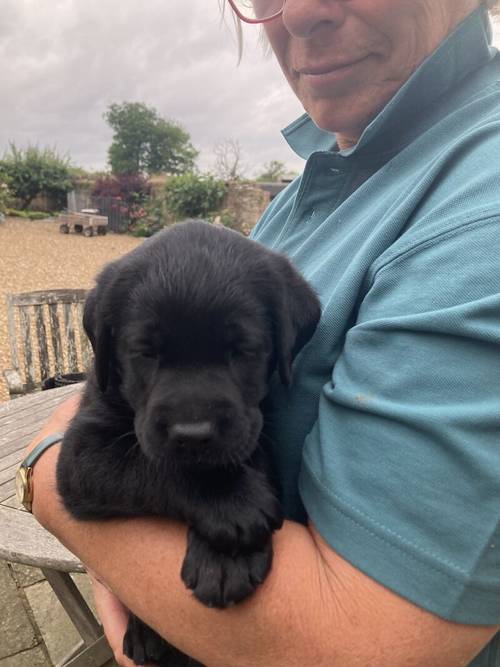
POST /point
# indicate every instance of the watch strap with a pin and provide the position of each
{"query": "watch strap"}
(37, 451)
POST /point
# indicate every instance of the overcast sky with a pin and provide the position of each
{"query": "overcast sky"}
(64, 61)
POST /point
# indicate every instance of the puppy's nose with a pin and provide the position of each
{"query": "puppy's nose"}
(191, 433)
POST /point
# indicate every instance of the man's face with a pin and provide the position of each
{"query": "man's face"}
(345, 59)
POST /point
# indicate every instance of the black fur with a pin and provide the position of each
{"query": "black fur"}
(186, 331)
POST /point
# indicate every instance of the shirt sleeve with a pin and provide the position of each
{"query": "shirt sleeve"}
(401, 472)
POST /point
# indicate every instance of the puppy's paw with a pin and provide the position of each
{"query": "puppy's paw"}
(241, 529)
(142, 644)
(220, 580)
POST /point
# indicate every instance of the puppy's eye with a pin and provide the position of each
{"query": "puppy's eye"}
(244, 352)
(144, 353)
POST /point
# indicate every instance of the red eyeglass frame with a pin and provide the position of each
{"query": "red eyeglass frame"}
(254, 21)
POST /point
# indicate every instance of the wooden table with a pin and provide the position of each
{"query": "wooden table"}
(23, 540)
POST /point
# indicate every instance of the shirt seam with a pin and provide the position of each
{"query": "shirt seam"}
(431, 240)
(335, 499)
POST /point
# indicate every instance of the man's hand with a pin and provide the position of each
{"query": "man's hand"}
(114, 619)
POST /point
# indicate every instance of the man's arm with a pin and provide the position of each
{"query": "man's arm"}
(313, 609)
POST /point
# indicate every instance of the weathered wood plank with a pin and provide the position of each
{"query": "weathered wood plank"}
(7, 461)
(70, 338)
(85, 346)
(56, 337)
(40, 297)
(19, 427)
(43, 349)
(91, 656)
(13, 502)
(14, 382)
(11, 325)
(19, 412)
(23, 540)
(73, 602)
(9, 472)
(29, 402)
(25, 324)
(20, 445)
(7, 489)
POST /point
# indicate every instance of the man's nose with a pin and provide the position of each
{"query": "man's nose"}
(304, 18)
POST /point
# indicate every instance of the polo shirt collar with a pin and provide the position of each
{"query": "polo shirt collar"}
(466, 49)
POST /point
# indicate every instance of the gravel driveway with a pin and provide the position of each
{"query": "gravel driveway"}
(34, 255)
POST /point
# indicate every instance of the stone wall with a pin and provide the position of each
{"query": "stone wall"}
(244, 203)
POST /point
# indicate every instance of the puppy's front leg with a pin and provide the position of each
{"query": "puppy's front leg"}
(102, 471)
(230, 540)
(240, 517)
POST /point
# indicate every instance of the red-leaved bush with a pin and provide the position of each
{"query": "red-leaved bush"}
(126, 194)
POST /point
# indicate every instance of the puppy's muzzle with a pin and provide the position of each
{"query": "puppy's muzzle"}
(194, 431)
(197, 417)
(189, 417)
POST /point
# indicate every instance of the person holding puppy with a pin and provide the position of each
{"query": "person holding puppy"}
(387, 442)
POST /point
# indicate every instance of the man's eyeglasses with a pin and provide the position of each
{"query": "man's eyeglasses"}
(257, 11)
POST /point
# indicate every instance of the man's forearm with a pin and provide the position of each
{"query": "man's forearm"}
(313, 609)
(140, 559)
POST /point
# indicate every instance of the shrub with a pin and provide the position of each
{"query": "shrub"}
(224, 217)
(33, 172)
(4, 198)
(29, 215)
(129, 193)
(193, 195)
(156, 218)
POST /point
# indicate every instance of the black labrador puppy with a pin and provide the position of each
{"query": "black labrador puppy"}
(186, 331)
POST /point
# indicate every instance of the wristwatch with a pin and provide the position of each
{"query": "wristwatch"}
(24, 475)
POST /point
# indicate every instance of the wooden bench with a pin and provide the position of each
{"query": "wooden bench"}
(46, 337)
(23, 540)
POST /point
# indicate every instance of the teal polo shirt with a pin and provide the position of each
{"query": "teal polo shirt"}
(389, 438)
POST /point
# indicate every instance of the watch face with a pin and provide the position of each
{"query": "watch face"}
(21, 484)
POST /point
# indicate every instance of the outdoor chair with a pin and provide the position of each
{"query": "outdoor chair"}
(48, 348)
(47, 341)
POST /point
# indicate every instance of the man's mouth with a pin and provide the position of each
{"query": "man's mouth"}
(319, 70)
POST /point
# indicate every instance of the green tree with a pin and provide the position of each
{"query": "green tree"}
(273, 171)
(144, 142)
(36, 171)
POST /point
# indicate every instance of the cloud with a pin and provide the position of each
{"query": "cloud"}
(65, 61)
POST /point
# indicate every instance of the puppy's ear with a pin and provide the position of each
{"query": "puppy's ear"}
(298, 312)
(100, 336)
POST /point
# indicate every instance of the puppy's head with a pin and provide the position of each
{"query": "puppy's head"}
(187, 329)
